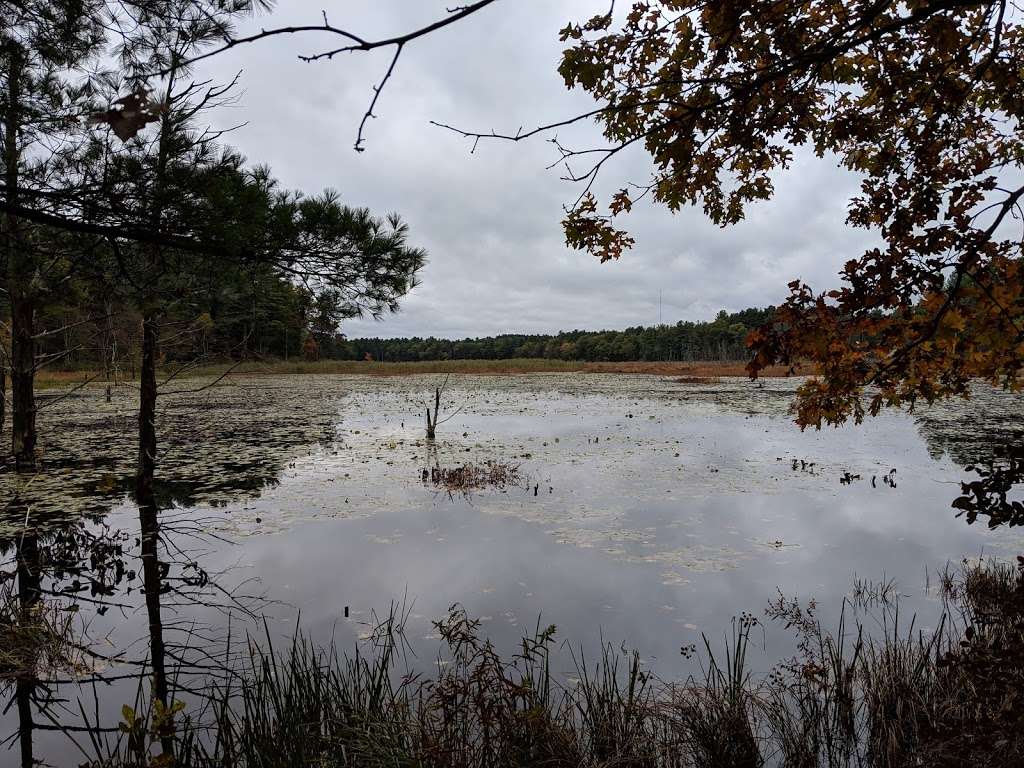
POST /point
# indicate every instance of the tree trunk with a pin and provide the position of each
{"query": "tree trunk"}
(432, 423)
(146, 467)
(150, 525)
(19, 282)
(108, 347)
(23, 398)
(3, 388)
(28, 596)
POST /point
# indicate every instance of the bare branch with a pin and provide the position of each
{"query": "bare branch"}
(354, 43)
(213, 383)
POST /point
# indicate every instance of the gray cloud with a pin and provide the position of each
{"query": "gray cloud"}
(490, 220)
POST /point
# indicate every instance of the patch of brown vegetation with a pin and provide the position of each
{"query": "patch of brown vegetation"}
(514, 367)
(697, 369)
(982, 720)
(37, 639)
(472, 477)
(698, 380)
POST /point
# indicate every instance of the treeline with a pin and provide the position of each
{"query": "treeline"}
(131, 236)
(259, 314)
(719, 339)
(235, 314)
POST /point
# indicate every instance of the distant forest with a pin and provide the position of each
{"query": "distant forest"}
(244, 319)
(718, 339)
(258, 314)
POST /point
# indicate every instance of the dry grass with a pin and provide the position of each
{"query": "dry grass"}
(37, 639)
(473, 477)
(709, 369)
(698, 380)
(696, 370)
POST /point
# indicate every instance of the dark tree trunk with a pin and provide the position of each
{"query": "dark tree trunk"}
(147, 411)
(3, 388)
(19, 278)
(23, 398)
(28, 596)
(150, 524)
(432, 423)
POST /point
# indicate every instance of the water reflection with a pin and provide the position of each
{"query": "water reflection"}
(213, 448)
(41, 641)
(661, 512)
(107, 617)
(28, 575)
(985, 436)
(975, 430)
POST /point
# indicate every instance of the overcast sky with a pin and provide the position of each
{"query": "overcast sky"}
(490, 220)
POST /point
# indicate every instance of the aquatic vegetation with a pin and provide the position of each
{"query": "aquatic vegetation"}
(648, 508)
(37, 638)
(698, 380)
(949, 696)
(470, 477)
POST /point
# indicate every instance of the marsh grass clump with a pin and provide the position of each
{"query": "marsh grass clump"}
(470, 477)
(949, 696)
(36, 638)
(698, 380)
(981, 719)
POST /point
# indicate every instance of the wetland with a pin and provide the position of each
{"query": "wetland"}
(639, 510)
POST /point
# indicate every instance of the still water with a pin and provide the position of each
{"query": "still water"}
(644, 511)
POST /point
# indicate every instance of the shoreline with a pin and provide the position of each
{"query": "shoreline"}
(512, 367)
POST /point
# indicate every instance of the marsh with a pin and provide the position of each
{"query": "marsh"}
(643, 510)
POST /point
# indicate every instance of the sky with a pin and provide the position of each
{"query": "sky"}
(490, 220)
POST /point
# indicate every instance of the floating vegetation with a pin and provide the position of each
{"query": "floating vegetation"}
(340, 447)
(698, 380)
(470, 477)
(216, 446)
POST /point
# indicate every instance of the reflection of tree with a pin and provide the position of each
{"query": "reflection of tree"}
(90, 567)
(149, 527)
(990, 493)
(975, 430)
(28, 598)
(216, 446)
(219, 446)
(985, 436)
(43, 642)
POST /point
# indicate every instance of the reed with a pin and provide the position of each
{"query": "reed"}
(898, 697)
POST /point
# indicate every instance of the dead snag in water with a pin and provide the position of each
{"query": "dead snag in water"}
(432, 421)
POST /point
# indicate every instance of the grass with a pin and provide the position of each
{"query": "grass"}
(948, 697)
(36, 640)
(698, 380)
(699, 372)
(469, 477)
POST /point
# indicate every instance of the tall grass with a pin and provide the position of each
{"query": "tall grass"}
(691, 372)
(950, 696)
(36, 639)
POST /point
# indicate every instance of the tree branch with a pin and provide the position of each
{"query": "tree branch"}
(354, 43)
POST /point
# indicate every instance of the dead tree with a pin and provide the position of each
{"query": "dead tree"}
(432, 421)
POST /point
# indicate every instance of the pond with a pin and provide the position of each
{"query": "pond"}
(640, 510)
